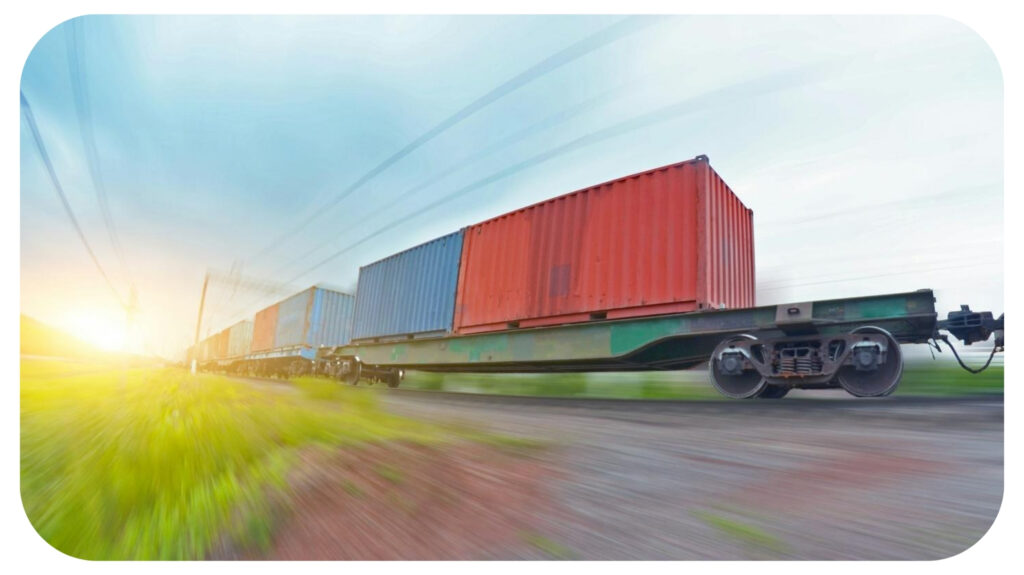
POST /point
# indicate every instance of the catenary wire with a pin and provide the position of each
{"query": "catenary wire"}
(776, 81)
(33, 128)
(77, 72)
(575, 51)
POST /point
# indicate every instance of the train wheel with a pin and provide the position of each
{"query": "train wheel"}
(743, 385)
(394, 378)
(879, 381)
(773, 392)
(353, 374)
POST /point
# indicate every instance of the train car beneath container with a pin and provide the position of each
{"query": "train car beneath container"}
(410, 294)
(287, 335)
(669, 240)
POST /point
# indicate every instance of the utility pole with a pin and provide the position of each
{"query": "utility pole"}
(199, 322)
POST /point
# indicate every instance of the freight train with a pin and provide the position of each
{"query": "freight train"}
(654, 271)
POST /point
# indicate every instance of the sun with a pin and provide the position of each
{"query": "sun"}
(101, 328)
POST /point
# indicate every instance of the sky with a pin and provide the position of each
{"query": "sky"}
(293, 150)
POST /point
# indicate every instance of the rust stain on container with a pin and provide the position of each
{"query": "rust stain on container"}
(669, 240)
(264, 326)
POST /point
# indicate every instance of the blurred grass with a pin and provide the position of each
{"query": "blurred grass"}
(943, 378)
(648, 385)
(160, 464)
(921, 377)
(548, 546)
(755, 539)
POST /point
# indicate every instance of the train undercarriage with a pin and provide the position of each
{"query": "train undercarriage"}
(763, 352)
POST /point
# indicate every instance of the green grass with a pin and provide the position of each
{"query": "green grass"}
(390, 473)
(750, 536)
(352, 489)
(649, 385)
(159, 464)
(947, 379)
(551, 548)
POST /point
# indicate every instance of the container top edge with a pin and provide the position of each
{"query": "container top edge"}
(696, 160)
(414, 248)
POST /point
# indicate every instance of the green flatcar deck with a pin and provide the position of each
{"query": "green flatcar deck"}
(664, 342)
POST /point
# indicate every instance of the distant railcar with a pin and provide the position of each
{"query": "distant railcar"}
(286, 335)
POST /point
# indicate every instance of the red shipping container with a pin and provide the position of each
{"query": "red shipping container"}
(669, 240)
(264, 326)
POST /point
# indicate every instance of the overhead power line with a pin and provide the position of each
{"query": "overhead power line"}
(26, 110)
(606, 36)
(478, 155)
(768, 83)
(77, 71)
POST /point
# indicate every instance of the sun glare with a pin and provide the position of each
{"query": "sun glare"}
(105, 330)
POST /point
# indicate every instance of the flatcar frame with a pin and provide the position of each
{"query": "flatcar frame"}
(667, 342)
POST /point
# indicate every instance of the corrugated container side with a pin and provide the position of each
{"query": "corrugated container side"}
(264, 326)
(221, 342)
(240, 338)
(205, 348)
(409, 293)
(293, 319)
(331, 318)
(727, 228)
(669, 240)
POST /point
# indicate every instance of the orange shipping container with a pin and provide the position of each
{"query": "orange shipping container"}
(669, 240)
(220, 345)
(264, 326)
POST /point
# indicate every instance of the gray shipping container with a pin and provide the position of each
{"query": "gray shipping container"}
(240, 339)
(314, 317)
(411, 293)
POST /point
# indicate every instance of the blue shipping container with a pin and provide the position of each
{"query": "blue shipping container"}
(314, 317)
(411, 293)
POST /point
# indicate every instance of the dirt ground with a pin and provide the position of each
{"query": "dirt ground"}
(797, 479)
(897, 478)
(414, 502)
